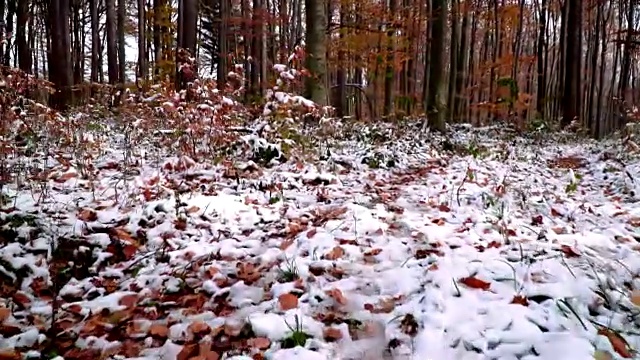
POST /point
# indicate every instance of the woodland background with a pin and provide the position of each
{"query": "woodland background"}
(527, 62)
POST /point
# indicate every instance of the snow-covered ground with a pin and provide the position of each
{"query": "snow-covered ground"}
(508, 254)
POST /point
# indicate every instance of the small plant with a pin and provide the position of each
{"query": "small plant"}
(297, 336)
(289, 273)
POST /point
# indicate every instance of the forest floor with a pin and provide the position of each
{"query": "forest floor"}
(506, 249)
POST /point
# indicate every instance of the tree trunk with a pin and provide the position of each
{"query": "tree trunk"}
(24, 53)
(316, 61)
(112, 47)
(142, 42)
(60, 54)
(436, 106)
(572, 66)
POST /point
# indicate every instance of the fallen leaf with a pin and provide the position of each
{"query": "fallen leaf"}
(311, 233)
(332, 334)
(617, 342)
(199, 327)
(521, 300)
(536, 220)
(475, 283)
(337, 295)
(88, 215)
(260, 343)
(635, 298)
(335, 253)
(159, 331)
(409, 325)
(568, 251)
(4, 314)
(129, 300)
(188, 351)
(288, 301)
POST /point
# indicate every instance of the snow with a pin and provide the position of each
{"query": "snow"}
(452, 240)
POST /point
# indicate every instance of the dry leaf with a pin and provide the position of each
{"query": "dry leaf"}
(335, 253)
(88, 215)
(199, 327)
(568, 251)
(288, 301)
(336, 294)
(129, 300)
(4, 314)
(332, 334)
(475, 283)
(635, 298)
(311, 233)
(159, 331)
(519, 299)
(188, 350)
(260, 343)
(617, 342)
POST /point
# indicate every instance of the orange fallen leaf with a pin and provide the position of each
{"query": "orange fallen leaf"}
(337, 295)
(475, 283)
(10, 355)
(260, 343)
(617, 342)
(332, 334)
(129, 300)
(187, 352)
(521, 300)
(4, 314)
(635, 297)
(88, 215)
(159, 331)
(568, 251)
(199, 327)
(335, 253)
(288, 301)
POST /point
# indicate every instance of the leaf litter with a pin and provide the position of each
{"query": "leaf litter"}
(509, 255)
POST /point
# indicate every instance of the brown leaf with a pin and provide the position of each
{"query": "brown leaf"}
(129, 300)
(88, 215)
(21, 299)
(635, 299)
(335, 253)
(617, 342)
(288, 301)
(444, 208)
(568, 251)
(519, 299)
(188, 351)
(475, 283)
(311, 233)
(260, 343)
(536, 220)
(159, 331)
(409, 325)
(337, 295)
(199, 327)
(332, 334)
(4, 314)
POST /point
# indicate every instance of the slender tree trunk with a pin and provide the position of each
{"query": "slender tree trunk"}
(60, 54)
(142, 43)
(316, 61)
(24, 53)
(436, 106)
(112, 47)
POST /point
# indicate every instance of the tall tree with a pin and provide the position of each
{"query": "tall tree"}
(572, 100)
(316, 61)
(436, 101)
(112, 46)
(60, 54)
